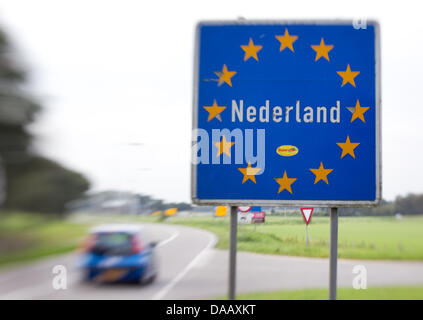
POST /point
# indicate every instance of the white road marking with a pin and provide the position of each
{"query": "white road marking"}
(163, 292)
(165, 241)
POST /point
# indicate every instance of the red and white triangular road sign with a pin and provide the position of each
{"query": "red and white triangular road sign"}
(307, 212)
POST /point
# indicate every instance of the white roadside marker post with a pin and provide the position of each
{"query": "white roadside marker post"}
(307, 235)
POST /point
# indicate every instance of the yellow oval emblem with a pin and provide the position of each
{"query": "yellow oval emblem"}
(287, 151)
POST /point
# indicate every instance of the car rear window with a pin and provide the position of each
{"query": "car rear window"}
(117, 243)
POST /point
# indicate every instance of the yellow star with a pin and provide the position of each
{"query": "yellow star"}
(214, 111)
(285, 183)
(347, 147)
(225, 76)
(249, 173)
(358, 111)
(224, 147)
(321, 173)
(348, 76)
(322, 50)
(286, 40)
(251, 50)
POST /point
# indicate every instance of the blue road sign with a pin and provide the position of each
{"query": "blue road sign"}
(287, 113)
(256, 209)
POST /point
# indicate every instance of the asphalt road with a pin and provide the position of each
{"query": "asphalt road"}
(191, 269)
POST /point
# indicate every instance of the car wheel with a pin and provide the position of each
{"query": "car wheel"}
(149, 280)
(149, 276)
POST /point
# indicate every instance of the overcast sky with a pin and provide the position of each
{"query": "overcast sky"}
(115, 80)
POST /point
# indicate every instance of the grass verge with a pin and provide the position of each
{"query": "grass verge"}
(25, 237)
(379, 293)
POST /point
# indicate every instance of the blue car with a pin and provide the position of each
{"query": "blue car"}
(119, 253)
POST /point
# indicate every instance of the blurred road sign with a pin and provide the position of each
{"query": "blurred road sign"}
(244, 209)
(258, 217)
(307, 212)
(171, 211)
(258, 214)
(255, 209)
(221, 211)
(245, 218)
(286, 113)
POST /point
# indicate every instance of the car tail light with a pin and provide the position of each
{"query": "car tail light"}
(89, 242)
(137, 245)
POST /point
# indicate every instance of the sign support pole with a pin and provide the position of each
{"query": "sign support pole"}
(307, 235)
(333, 254)
(232, 252)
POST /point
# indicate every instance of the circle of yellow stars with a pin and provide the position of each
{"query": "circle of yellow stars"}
(286, 41)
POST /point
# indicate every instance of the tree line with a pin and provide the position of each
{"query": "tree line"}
(28, 180)
(410, 204)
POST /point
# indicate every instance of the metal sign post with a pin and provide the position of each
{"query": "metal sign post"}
(333, 253)
(232, 252)
(307, 235)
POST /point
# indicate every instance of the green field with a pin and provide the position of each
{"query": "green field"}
(381, 293)
(359, 237)
(25, 237)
